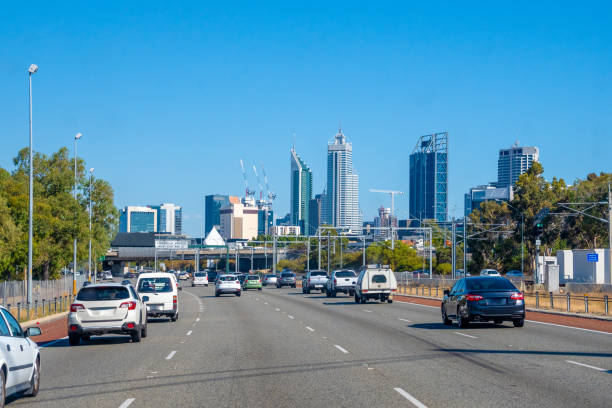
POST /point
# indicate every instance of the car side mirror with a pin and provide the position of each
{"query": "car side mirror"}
(33, 331)
(446, 292)
(145, 298)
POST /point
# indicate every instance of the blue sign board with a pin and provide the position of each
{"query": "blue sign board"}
(592, 257)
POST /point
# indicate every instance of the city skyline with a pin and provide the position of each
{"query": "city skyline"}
(229, 94)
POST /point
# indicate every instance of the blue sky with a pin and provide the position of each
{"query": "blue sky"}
(169, 97)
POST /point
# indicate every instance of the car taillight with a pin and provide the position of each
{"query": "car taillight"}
(73, 327)
(75, 307)
(517, 296)
(335, 281)
(364, 290)
(473, 298)
(309, 281)
(130, 325)
(131, 305)
(174, 299)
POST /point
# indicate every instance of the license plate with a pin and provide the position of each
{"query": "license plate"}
(318, 286)
(496, 301)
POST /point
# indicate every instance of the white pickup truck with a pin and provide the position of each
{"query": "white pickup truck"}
(314, 280)
(343, 280)
(375, 283)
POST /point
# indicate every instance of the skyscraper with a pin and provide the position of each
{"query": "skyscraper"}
(429, 178)
(169, 218)
(212, 209)
(342, 205)
(315, 213)
(301, 190)
(137, 219)
(513, 162)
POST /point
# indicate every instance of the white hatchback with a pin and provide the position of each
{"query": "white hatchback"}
(489, 272)
(227, 284)
(199, 278)
(19, 358)
(161, 292)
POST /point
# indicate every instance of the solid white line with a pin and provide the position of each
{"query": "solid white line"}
(405, 320)
(416, 304)
(367, 311)
(189, 332)
(570, 327)
(587, 366)
(54, 341)
(198, 319)
(172, 353)
(289, 316)
(410, 398)
(466, 335)
(310, 328)
(127, 403)
(342, 349)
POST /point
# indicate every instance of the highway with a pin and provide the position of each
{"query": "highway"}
(280, 348)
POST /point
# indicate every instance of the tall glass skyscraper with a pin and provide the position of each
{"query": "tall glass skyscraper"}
(342, 200)
(212, 210)
(301, 191)
(429, 178)
(513, 162)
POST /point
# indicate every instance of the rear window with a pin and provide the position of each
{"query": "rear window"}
(379, 279)
(227, 278)
(318, 273)
(200, 275)
(489, 284)
(253, 277)
(270, 276)
(152, 285)
(345, 274)
(287, 274)
(103, 293)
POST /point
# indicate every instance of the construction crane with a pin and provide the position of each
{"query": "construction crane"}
(393, 194)
(269, 200)
(248, 192)
(259, 183)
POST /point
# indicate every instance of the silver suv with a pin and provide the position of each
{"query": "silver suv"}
(107, 308)
(286, 278)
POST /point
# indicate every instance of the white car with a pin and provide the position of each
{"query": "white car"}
(270, 279)
(375, 283)
(227, 284)
(161, 292)
(199, 278)
(19, 358)
(106, 308)
(489, 272)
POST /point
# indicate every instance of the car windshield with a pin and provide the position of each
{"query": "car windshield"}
(489, 284)
(318, 273)
(200, 275)
(379, 279)
(152, 285)
(345, 274)
(227, 278)
(103, 293)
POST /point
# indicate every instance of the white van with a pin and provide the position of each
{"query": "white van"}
(162, 290)
(375, 283)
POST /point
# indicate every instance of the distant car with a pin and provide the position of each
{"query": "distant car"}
(375, 283)
(241, 278)
(286, 279)
(107, 275)
(252, 282)
(161, 291)
(483, 298)
(183, 275)
(514, 273)
(269, 280)
(341, 281)
(19, 358)
(421, 273)
(460, 273)
(199, 278)
(314, 280)
(106, 308)
(212, 276)
(227, 284)
(489, 272)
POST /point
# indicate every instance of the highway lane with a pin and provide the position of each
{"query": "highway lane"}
(279, 347)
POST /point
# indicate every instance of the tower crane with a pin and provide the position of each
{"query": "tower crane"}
(270, 197)
(259, 183)
(248, 192)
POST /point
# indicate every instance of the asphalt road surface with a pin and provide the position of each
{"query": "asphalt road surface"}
(280, 348)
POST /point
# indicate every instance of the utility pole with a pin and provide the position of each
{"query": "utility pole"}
(237, 260)
(340, 252)
(364, 251)
(32, 70)
(319, 248)
(609, 234)
(252, 249)
(464, 246)
(328, 254)
(308, 253)
(274, 256)
(454, 249)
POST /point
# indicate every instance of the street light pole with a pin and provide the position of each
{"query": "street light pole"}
(32, 70)
(90, 183)
(74, 259)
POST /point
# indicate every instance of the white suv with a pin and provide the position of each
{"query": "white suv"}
(106, 308)
(160, 293)
(199, 278)
(227, 284)
(19, 358)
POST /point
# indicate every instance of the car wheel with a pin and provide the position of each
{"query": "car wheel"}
(334, 293)
(356, 298)
(498, 321)
(389, 300)
(445, 318)
(207, 285)
(362, 300)
(74, 339)
(174, 317)
(462, 321)
(34, 381)
(245, 289)
(518, 322)
(136, 336)
(328, 294)
(2, 388)
(143, 332)
(293, 286)
(216, 294)
(86, 337)
(238, 294)
(258, 288)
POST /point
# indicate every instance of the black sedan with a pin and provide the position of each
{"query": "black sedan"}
(483, 299)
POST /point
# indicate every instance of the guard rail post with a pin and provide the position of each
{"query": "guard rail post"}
(537, 299)
(552, 303)
(55, 304)
(35, 308)
(430, 291)
(606, 304)
(28, 315)
(43, 307)
(18, 310)
(586, 304)
(568, 301)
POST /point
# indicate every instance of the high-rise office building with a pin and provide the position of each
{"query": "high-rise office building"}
(261, 220)
(315, 213)
(301, 191)
(238, 220)
(479, 194)
(212, 210)
(169, 218)
(429, 178)
(342, 204)
(137, 219)
(513, 162)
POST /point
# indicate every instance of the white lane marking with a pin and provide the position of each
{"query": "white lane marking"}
(309, 328)
(570, 327)
(416, 304)
(410, 398)
(289, 316)
(127, 403)
(367, 311)
(172, 353)
(405, 320)
(53, 342)
(342, 349)
(587, 366)
(465, 335)
(198, 319)
(265, 303)
(189, 332)
(277, 309)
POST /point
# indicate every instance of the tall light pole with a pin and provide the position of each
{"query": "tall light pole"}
(32, 70)
(74, 259)
(90, 183)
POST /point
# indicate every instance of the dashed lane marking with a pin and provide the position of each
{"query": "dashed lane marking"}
(405, 320)
(342, 349)
(172, 353)
(466, 335)
(289, 316)
(189, 332)
(277, 309)
(127, 403)
(198, 319)
(367, 311)
(309, 328)
(603, 370)
(410, 398)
